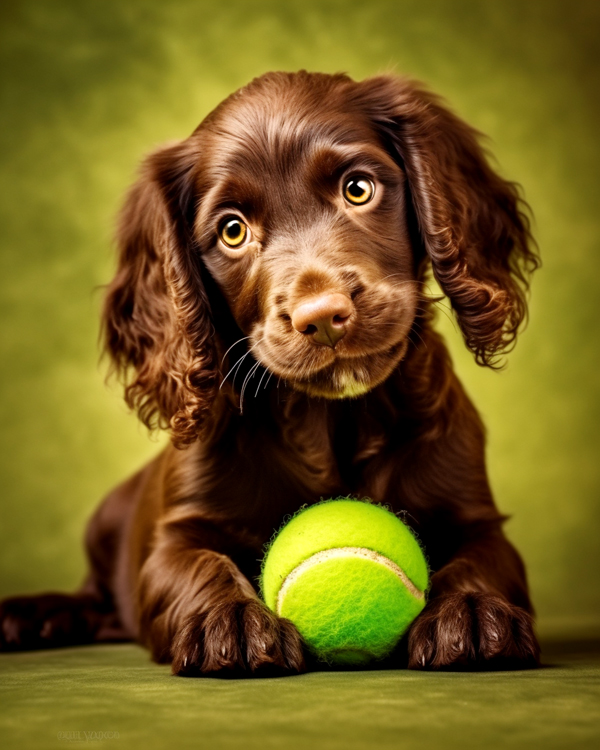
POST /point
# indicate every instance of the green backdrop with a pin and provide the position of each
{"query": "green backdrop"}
(87, 88)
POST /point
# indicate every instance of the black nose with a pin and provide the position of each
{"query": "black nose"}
(324, 318)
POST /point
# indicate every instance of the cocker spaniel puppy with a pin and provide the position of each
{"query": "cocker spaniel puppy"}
(270, 310)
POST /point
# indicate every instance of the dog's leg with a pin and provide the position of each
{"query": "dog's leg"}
(200, 612)
(479, 614)
(53, 620)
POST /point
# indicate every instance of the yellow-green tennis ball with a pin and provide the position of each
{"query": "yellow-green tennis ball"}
(351, 577)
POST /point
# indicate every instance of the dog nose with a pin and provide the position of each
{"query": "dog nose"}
(324, 318)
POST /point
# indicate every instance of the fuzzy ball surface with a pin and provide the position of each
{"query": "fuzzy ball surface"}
(350, 575)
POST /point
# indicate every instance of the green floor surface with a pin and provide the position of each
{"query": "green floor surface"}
(115, 696)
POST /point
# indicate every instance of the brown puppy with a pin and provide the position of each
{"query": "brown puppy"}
(270, 310)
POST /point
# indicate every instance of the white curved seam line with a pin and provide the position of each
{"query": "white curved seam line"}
(334, 552)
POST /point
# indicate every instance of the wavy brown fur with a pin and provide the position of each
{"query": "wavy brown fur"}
(156, 319)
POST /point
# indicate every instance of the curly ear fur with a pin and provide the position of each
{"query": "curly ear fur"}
(156, 319)
(473, 223)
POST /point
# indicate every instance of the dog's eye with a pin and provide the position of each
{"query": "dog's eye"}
(358, 190)
(233, 231)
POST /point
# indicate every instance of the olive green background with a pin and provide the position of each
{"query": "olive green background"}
(87, 88)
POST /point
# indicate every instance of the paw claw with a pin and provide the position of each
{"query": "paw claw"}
(236, 638)
(474, 631)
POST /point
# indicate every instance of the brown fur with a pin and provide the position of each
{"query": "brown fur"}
(202, 336)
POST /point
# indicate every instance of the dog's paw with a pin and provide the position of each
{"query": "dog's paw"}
(472, 631)
(45, 621)
(238, 638)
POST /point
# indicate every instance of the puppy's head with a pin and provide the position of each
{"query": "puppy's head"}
(300, 217)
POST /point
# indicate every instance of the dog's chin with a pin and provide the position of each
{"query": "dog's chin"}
(351, 378)
(345, 388)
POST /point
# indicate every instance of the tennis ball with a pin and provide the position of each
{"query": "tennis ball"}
(351, 577)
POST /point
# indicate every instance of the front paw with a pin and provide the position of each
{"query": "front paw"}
(236, 638)
(472, 631)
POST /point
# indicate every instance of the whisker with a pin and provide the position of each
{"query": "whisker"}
(450, 318)
(415, 331)
(231, 347)
(406, 281)
(236, 365)
(268, 379)
(249, 376)
(239, 366)
(446, 309)
(260, 382)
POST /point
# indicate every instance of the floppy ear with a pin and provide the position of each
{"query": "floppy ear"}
(156, 320)
(473, 223)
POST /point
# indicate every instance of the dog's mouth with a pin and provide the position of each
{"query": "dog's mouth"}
(342, 378)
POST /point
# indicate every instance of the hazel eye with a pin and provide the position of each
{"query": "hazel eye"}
(233, 231)
(359, 190)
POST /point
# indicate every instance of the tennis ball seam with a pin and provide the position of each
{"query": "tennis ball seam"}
(341, 552)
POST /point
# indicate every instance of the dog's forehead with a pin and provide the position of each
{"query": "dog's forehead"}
(277, 129)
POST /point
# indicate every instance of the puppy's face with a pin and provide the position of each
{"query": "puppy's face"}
(291, 195)
(302, 224)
